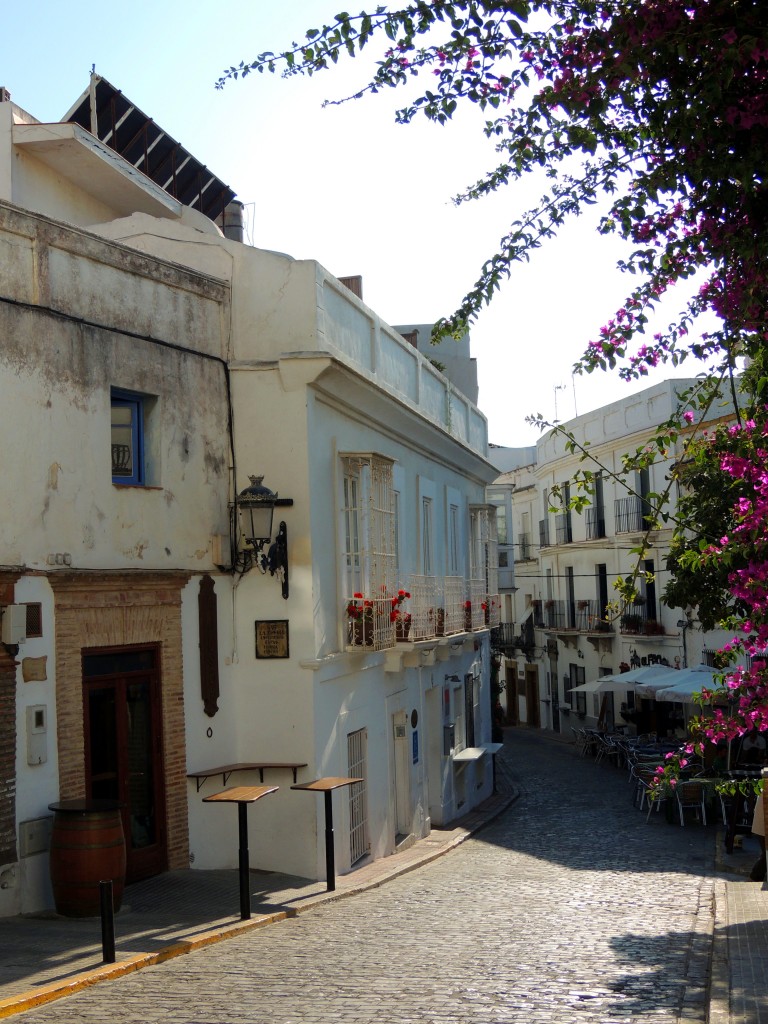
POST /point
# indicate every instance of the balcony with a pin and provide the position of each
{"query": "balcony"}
(554, 613)
(504, 639)
(369, 623)
(595, 523)
(474, 612)
(635, 621)
(435, 608)
(630, 514)
(423, 607)
(543, 533)
(563, 529)
(591, 618)
(454, 589)
(524, 549)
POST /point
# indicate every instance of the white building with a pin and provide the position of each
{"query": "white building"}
(566, 628)
(154, 648)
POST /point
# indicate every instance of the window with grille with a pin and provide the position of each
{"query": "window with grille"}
(34, 620)
(576, 677)
(370, 551)
(426, 536)
(453, 540)
(471, 702)
(359, 844)
(484, 564)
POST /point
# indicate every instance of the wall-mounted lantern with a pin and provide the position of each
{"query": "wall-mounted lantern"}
(255, 507)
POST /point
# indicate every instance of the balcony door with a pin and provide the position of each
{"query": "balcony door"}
(123, 749)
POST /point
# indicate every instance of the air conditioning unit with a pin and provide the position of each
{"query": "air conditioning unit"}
(14, 626)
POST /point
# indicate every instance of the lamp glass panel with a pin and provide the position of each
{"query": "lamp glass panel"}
(256, 521)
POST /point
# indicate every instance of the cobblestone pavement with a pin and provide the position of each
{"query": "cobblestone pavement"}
(568, 909)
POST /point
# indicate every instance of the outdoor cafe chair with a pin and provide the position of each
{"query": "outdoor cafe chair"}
(591, 742)
(645, 792)
(691, 795)
(580, 739)
(607, 748)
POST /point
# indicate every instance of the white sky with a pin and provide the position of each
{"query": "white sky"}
(344, 184)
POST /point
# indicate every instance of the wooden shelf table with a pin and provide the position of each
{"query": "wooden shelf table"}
(326, 786)
(242, 796)
(225, 770)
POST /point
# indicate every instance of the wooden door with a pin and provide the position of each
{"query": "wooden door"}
(123, 749)
(511, 688)
(533, 712)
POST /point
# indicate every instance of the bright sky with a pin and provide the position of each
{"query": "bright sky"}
(342, 184)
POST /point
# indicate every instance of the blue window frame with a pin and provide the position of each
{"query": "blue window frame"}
(127, 438)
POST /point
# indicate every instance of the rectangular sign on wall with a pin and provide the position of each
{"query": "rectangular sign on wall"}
(272, 638)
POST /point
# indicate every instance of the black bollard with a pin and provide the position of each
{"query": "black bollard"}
(107, 922)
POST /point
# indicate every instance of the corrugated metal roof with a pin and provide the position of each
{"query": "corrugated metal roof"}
(109, 115)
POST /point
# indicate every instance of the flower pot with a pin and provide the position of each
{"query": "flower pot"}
(467, 620)
(361, 633)
(440, 623)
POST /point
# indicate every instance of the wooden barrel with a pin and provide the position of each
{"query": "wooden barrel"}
(87, 847)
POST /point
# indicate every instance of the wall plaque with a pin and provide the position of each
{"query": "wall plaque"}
(34, 669)
(272, 638)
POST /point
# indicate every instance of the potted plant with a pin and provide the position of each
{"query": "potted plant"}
(630, 623)
(468, 616)
(360, 615)
(440, 622)
(401, 619)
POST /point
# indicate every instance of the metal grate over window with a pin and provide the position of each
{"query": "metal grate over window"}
(34, 620)
(370, 555)
(359, 843)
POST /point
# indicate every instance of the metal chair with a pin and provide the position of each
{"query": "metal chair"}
(691, 796)
(645, 792)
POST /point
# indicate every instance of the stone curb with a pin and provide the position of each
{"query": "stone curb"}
(58, 990)
(719, 1002)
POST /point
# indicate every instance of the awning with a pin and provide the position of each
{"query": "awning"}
(112, 118)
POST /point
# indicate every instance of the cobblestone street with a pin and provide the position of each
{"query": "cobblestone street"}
(568, 908)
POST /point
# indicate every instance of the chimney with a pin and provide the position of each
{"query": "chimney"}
(232, 221)
(5, 96)
(355, 285)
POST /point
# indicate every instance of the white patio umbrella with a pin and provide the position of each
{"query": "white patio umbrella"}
(690, 681)
(595, 686)
(650, 685)
(622, 680)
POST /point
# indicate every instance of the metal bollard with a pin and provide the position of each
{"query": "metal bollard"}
(107, 922)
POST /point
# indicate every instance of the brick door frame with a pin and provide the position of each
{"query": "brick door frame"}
(103, 609)
(8, 666)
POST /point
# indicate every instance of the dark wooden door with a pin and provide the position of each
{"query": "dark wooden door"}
(533, 712)
(123, 749)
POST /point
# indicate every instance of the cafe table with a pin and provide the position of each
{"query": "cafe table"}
(242, 796)
(326, 786)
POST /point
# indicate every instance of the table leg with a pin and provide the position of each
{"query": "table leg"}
(330, 866)
(245, 893)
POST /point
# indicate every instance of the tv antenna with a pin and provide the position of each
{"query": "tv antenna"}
(556, 388)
